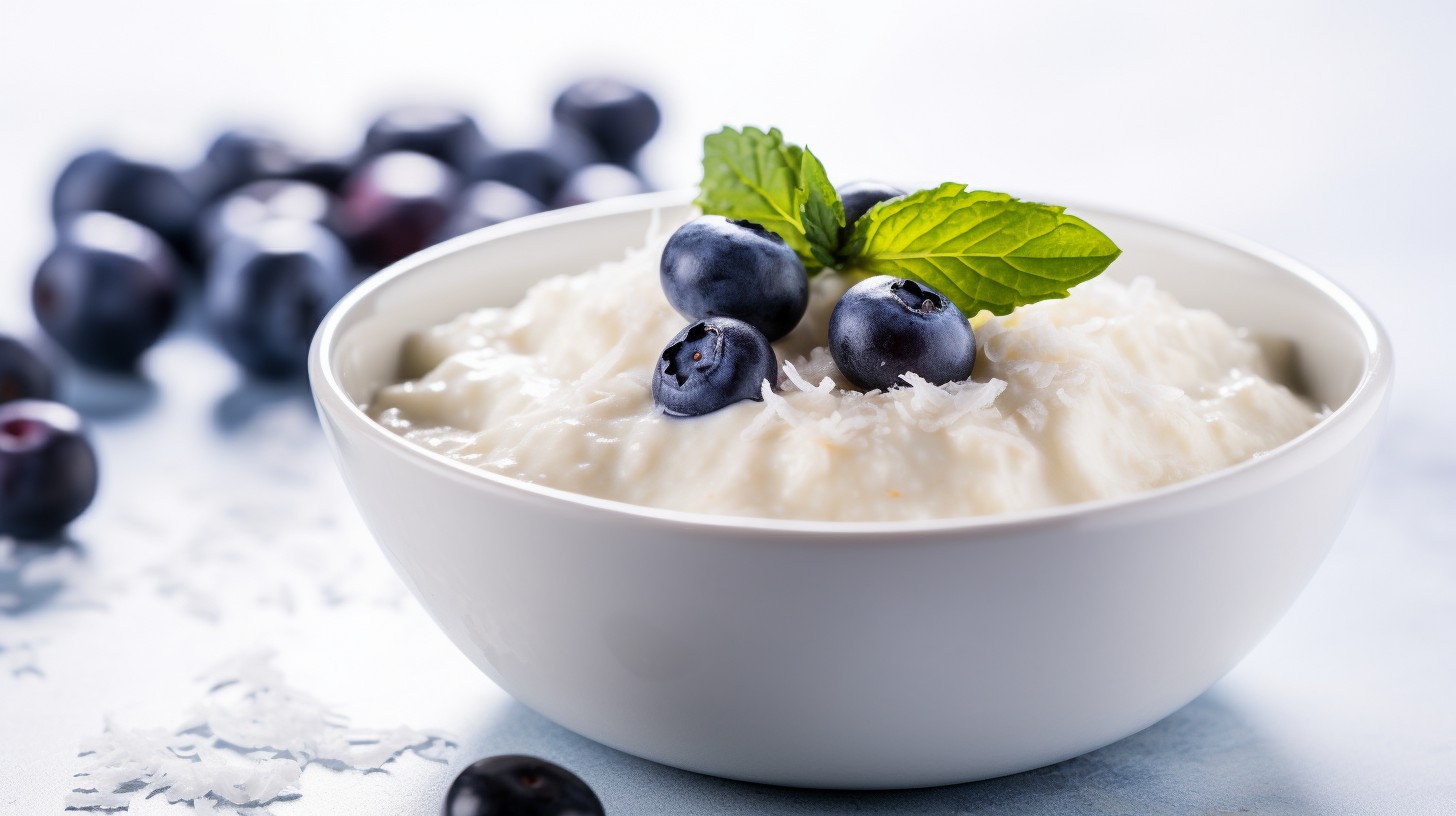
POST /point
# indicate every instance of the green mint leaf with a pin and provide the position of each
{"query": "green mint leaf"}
(982, 250)
(753, 175)
(822, 213)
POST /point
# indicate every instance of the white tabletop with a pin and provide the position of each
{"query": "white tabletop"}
(1322, 129)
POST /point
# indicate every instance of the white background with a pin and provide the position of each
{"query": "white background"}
(1324, 129)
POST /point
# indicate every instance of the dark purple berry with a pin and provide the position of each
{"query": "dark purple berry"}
(108, 290)
(249, 207)
(598, 182)
(715, 267)
(618, 117)
(149, 194)
(23, 375)
(858, 197)
(395, 205)
(712, 364)
(485, 204)
(47, 468)
(447, 134)
(268, 291)
(328, 172)
(515, 785)
(884, 327)
(242, 156)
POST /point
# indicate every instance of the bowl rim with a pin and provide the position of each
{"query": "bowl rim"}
(331, 399)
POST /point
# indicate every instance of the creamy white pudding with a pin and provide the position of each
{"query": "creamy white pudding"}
(1114, 390)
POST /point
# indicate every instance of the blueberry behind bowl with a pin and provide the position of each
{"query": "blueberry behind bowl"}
(620, 118)
(156, 197)
(267, 292)
(598, 182)
(48, 471)
(485, 204)
(107, 291)
(23, 374)
(246, 209)
(395, 205)
(447, 134)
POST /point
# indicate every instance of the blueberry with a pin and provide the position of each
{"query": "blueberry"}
(108, 290)
(23, 375)
(449, 135)
(268, 291)
(618, 117)
(514, 785)
(394, 205)
(598, 182)
(153, 196)
(249, 207)
(884, 327)
(239, 157)
(859, 197)
(711, 364)
(486, 204)
(47, 468)
(328, 172)
(540, 171)
(715, 267)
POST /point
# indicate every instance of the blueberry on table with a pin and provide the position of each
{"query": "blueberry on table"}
(107, 291)
(47, 468)
(515, 785)
(859, 196)
(23, 375)
(241, 156)
(486, 204)
(712, 364)
(598, 182)
(328, 172)
(884, 327)
(394, 205)
(449, 135)
(247, 208)
(151, 195)
(268, 291)
(618, 117)
(716, 267)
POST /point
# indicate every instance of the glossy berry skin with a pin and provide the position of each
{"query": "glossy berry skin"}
(267, 293)
(108, 290)
(23, 375)
(716, 267)
(446, 134)
(394, 205)
(328, 172)
(712, 364)
(884, 327)
(618, 117)
(48, 472)
(485, 204)
(858, 197)
(598, 182)
(242, 156)
(151, 195)
(514, 785)
(246, 209)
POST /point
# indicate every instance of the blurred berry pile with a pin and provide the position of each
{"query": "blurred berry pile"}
(273, 238)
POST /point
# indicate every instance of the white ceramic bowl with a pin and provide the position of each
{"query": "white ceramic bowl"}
(852, 655)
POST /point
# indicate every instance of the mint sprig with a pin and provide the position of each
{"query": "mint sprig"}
(982, 250)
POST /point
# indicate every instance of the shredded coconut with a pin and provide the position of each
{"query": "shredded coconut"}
(245, 744)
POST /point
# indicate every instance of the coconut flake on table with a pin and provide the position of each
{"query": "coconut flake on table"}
(244, 744)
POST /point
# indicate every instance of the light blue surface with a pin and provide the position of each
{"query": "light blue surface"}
(1322, 129)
